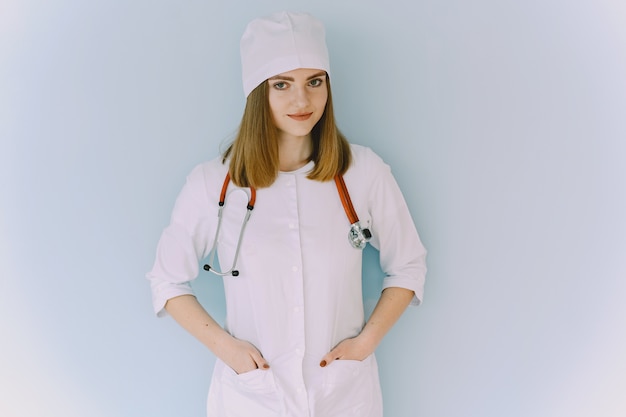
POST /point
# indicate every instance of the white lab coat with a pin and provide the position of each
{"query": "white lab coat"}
(299, 289)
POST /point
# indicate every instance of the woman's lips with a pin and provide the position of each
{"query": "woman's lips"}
(300, 117)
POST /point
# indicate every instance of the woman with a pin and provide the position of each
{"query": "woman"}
(295, 342)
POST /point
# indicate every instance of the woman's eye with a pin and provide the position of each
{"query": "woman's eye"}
(316, 82)
(280, 85)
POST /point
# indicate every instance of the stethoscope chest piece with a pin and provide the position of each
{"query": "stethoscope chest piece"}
(358, 236)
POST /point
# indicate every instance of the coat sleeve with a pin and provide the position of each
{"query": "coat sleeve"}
(182, 244)
(402, 254)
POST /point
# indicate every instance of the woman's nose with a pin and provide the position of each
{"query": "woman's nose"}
(301, 97)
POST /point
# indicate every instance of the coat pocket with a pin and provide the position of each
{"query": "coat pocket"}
(351, 388)
(258, 381)
(253, 393)
(341, 372)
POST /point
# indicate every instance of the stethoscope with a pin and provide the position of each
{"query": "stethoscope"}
(357, 235)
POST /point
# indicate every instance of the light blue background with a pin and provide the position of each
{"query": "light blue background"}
(505, 125)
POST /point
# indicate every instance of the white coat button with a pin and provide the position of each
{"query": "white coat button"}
(292, 225)
(294, 268)
(296, 309)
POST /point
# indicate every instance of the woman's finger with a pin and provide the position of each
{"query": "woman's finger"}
(346, 349)
(260, 361)
(331, 356)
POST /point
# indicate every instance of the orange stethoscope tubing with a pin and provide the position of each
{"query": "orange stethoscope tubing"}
(357, 235)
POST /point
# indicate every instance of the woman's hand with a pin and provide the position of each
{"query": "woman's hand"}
(392, 302)
(355, 348)
(242, 357)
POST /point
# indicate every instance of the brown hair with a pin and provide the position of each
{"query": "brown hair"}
(254, 152)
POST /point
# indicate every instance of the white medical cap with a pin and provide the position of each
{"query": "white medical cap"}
(279, 43)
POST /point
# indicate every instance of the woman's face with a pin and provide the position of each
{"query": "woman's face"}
(297, 100)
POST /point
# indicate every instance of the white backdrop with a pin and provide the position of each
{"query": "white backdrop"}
(505, 126)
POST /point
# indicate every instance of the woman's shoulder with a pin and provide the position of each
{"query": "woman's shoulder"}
(364, 157)
(209, 172)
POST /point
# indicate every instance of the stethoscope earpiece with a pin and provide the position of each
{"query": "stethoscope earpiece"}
(207, 268)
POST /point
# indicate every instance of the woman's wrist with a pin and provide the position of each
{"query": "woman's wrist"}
(368, 340)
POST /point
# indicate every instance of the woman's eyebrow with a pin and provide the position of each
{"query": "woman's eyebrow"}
(319, 74)
(281, 77)
(287, 78)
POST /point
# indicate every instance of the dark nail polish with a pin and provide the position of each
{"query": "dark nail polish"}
(266, 366)
(323, 364)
